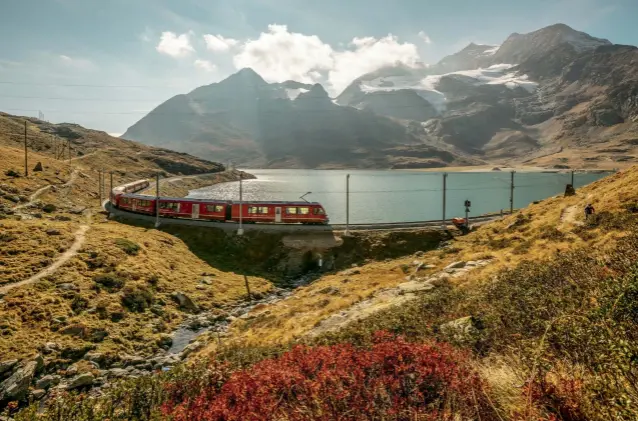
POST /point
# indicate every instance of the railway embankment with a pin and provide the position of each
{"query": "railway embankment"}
(284, 256)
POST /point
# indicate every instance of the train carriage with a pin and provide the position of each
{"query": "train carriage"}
(137, 203)
(280, 212)
(194, 209)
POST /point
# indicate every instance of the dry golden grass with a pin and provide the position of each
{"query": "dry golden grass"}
(540, 235)
(26, 248)
(163, 265)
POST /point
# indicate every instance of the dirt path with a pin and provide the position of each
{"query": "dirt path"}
(33, 197)
(569, 214)
(80, 237)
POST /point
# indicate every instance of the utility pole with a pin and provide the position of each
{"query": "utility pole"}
(111, 186)
(69, 148)
(250, 296)
(240, 231)
(348, 204)
(26, 151)
(99, 185)
(572, 178)
(512, 193)
(444, 199)
(157, 200)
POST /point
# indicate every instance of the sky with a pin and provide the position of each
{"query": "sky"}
(104, 64)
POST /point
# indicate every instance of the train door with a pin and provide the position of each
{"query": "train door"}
(278, 214)
(195, 212)
(134, 204)
(229, 212)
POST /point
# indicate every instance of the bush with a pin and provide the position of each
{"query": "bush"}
(79, 304)
(11, 173)
(392, 380)
(137, 298)
(128, 246)
(111, 282)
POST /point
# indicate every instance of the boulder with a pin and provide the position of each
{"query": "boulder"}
(81, 380)
(38, 394)
(49, 207)
(67, 286)
(38, 167)
(52, 232)
(50, 348)
(48, 381)
(165, 341)
(463, 331)
(456, 265)
(7, 365)
(16, 387)
(117, 372)
(195, 346)
(132, 360)
(184, 301)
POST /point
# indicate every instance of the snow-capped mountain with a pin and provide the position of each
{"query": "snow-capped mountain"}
(529, 99)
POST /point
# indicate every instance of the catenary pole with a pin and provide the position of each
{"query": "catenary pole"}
(157, 200)
(512, 193)
(444, 198)
(26, 151)
(240, 231)
(348, 204)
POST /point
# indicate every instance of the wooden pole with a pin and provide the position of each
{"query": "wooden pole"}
(348, 204)
(444, 199)
(512, 194)
(250, 296)
(26, 151)
(157, 200)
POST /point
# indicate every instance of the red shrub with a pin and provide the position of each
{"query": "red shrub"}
(393, 380)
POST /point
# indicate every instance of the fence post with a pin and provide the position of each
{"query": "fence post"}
(444, 199)
(348, 204)
(512, 194)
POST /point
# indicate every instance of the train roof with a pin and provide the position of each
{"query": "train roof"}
(245, 202)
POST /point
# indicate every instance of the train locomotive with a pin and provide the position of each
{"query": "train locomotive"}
(126, 198)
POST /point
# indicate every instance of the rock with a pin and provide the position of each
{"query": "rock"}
(77, 330)
(350, 272)
(48, 381)
(419, 254)
(132, 360)
(455, 265)
(165, 341)
(52, 232)
(49, 207)
(50, 348)
(98, 335)
(96, 357)
(38, 394)
(39, 363)
(61, 218)
(7, 365)
(206, 281)
(422, 266)
(117, 372)
(81, 380)
(195, 346)
(16, 387)
(67, 286)
(200, 287)
(38, 167)
(184, 301)
(465, 330)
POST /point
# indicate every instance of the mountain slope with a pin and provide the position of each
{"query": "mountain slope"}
(289, 124)
(548, 97)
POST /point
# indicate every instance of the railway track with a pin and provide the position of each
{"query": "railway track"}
(232, 226)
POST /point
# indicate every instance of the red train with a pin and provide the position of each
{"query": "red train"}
(123, 197)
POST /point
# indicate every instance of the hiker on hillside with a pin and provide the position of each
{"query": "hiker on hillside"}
(589, 211)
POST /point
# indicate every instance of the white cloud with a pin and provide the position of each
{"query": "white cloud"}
(218, 43)
(368, 55)
(175, 45)
(280, 55)
(205, 65)
(425, 37)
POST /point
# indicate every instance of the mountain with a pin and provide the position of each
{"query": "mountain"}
(258, 124)
(555, 97)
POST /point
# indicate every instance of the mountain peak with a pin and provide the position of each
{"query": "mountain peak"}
(246, 76)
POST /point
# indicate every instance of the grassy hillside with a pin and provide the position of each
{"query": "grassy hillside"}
(544, 327)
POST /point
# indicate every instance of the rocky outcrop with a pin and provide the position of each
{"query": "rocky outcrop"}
(184, 301)
(15, 388)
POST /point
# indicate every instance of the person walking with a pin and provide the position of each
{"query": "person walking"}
(589, 211)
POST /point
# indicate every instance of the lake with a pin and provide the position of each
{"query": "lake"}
(397, 196)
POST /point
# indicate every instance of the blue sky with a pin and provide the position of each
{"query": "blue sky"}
(159, 46)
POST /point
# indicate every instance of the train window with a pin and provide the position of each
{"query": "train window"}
(252, 209)
(303, 211)
(126, 201)
(318, 211)
(291, 211)
(174, 206)
(219, 208)
(263, 210)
